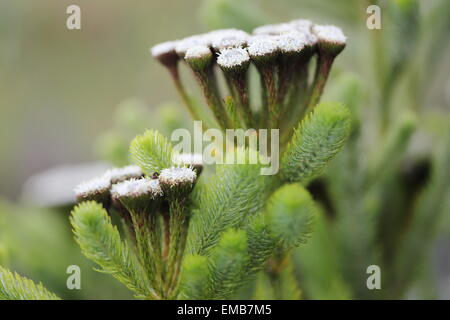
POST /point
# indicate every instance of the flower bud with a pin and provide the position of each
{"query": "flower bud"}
(199, 57)
(330, 39)
(263, 50)
(185, 44)
(165, 53)
(96, 189)
(136, 194)
(177, 181)
(235, 60)
(228, 38)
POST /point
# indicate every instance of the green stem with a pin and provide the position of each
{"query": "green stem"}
(324, 64)
(239, 85)
(179, 222)
(271, 110)
(208, 84)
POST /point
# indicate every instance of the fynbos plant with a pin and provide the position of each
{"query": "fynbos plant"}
(192, 234)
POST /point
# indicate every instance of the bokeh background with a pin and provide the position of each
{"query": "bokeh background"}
(65, 95)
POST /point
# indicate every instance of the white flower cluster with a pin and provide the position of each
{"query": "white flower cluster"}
(176, 176)
(135, 188)
(92, 187)
(235, 47)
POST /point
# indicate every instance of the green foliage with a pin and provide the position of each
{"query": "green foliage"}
(152, 152)
(281, 285)
(429, 210)
(228, 261)
(16, 287)
(315, 142)
(195, 277)
(388, 157)
(100, 241)
(232, 194)
(290, 215)
(261, 242)
(317, 264)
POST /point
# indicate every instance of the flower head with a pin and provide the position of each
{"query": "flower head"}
(136, 195)
(194, 160)
(233, 59)
(165, 53)
(96, 189)
(228, 38)
(137, 188)
(185, 44)
(291, 43)
(330, 38)
(263, 49)
(199, 57)
(177, 181)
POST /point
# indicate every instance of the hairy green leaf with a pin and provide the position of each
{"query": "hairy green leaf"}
(16, 287)
(152, 152)
(100, 241)
(228, 264)
(316, 141)
(290, 215)
(228, 198)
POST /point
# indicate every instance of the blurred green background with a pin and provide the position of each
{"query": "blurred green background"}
(59, 87)
(60, 90)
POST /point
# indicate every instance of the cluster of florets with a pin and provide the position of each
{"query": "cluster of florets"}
(281, 54)
(128, 189)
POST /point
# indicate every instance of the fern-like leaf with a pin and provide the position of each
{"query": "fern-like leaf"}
(16, 287)
(152, 152)
(228, 263)
(228, 198)
(318, 139)
(100, 241)
(290, 211)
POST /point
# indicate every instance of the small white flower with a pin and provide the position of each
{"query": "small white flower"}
(92, 187)
(163, 48)
(233, 57)
(262, 47)
(197, 52)
(135, 188)
(185, 44)
(292, 42)
(176, 176)
(330, 34)
(228, 38)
